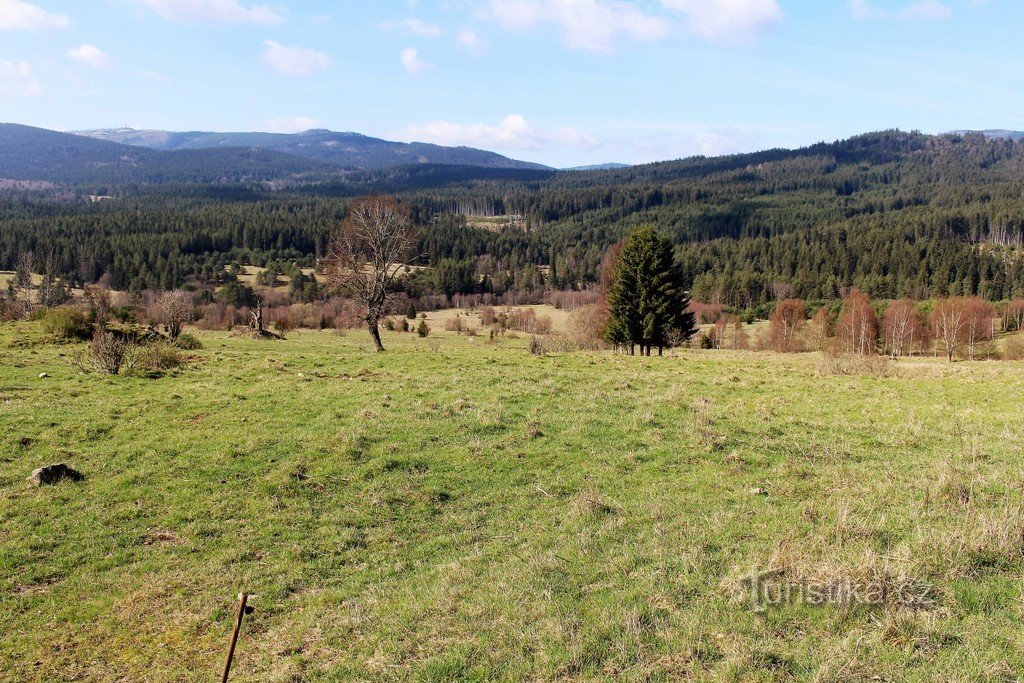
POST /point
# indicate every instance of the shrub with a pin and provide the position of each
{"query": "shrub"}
(453, 324)
(174, 310)
(543, 345)
(188, 342)
(838, 363)
(487, 316)
(10, 309)
(1014, 348)
(110, 354)
(526, 320)
(68, 323)
(423, 329)
(159, 355)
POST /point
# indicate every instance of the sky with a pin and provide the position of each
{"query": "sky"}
(560, 82)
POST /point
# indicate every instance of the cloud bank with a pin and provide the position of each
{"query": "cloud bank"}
(294, 61)
(213, 11)
(17, 15)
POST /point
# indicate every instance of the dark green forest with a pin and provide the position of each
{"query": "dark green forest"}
(893, 213)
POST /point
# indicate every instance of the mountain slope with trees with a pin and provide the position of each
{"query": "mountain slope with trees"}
(349, 150)
(28, 153)
(892, 213)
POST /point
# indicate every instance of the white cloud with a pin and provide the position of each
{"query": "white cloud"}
(729, 21)
(294, 61)
(414, 26)
(155, 78)
(18, 80)
(411, 61)
(921, 9)
(217, 11)
(512, 133)
(469, 40)
(91, 55)
(292, 125)
(586, 24)
(928, 9)
(863, 9)
(19, 15)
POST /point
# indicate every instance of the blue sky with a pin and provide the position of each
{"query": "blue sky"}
(562, 82)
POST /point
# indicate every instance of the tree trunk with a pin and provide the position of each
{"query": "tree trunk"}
(375, 333)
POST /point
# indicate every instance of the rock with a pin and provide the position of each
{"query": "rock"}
(51, 474)
(758, 491)
(43, 375)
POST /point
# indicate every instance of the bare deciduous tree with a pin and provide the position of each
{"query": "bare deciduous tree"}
(820, 329)
(1014, 317)
(902, 327)
(948, 322)
(857, 326)
(100, 301)
(365, 256)
(978, 326)
(176, 309)
(51, 290)
(785, 325)
(23, 285)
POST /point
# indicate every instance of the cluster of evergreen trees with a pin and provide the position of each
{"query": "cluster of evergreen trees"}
(895, 214)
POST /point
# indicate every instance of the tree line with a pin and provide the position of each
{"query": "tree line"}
(894, 214)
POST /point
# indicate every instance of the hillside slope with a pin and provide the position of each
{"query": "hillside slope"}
(349, 150)
(893, 213)
(28, 153)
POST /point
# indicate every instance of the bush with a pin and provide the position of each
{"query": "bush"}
(159, 355)
(423, 329)
(1014, 348)
(587, 325)
(188, 342)
(110, 354)
(67, 323)
(527, 320)
(543, 345)
(834, 363)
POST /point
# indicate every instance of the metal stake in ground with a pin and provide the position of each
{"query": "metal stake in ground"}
(242, 599)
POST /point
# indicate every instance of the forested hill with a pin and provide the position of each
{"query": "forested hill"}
(28, 153)
(348, 150)
(893, 213)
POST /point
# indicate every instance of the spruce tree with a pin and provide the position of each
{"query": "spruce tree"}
(647, 301)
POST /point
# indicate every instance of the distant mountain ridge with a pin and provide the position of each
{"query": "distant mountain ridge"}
(995, 134)
(611, 166)
(37, 154)
(347, 150)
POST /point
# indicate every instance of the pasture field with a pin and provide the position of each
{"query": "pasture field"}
(457, 511)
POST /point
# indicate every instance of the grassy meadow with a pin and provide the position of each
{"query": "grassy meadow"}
(456, 510)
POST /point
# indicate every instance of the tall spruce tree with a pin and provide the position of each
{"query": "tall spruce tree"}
(647, 301)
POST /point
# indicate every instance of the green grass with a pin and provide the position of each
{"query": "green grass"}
(453, 511)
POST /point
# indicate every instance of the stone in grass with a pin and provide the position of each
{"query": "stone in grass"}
(43, 375)
(51, 474)
(758, 491)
